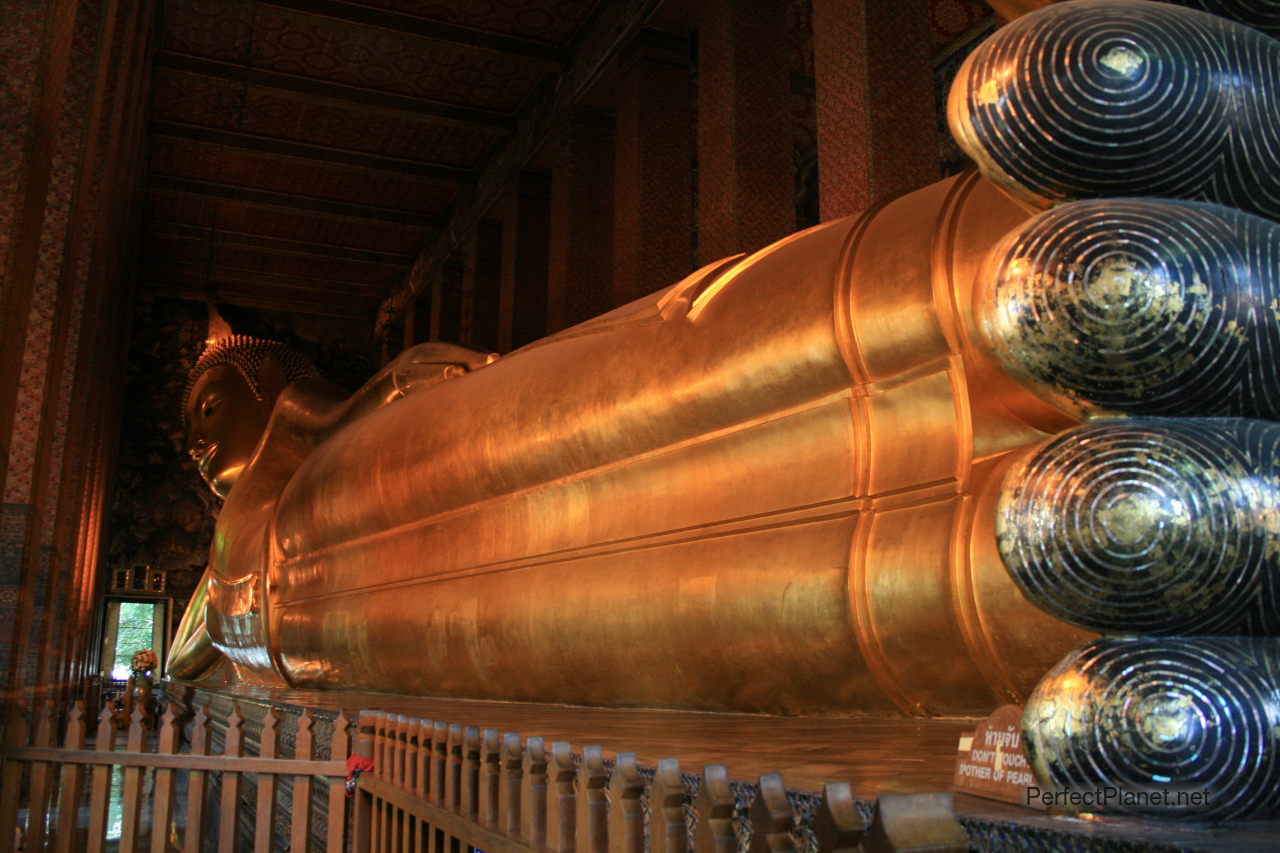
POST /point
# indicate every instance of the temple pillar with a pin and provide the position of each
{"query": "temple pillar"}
(522, 307)
(68, 198)
(873, 140)
(580, 219)
(482, 286)
(746, 174)
(446, 320)
(653, 187)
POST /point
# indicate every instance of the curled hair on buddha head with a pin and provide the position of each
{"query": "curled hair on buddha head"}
(246, 354)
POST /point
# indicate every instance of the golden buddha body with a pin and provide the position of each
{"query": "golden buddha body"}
(766, 488)
(789, 483)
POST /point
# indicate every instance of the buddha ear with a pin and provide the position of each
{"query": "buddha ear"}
(272, 377)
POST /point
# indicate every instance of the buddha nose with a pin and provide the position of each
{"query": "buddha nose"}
(195, 446)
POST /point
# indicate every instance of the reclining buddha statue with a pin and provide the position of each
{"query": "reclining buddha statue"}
(899, 462)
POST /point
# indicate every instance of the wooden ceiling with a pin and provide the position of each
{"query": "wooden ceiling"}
(303, 151)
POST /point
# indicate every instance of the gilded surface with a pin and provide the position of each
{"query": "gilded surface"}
(791, 482)
(750, 491)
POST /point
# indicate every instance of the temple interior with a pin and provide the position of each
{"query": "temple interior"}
(366, 176)
(357, 177)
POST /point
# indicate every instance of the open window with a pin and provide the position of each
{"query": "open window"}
(133, 624)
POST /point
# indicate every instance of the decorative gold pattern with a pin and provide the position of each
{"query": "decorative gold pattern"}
(752, 492)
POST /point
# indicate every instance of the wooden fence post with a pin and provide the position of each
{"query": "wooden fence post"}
(412, 749)
(378, 823)
(197, 783)
(838, 826)
(265, 813)
(392, 757)
(469, 797)
(509, 790)
(667, 830)
(339, 750)
(300, 808)
(453, 769)
(533, 793)
(410, 731)
(716, 809)
(490, 775)
(907, 822)
(402, 752)
(15, 735)
(69, 790)
(362, 821)
(439, 759)
(162, 812)
(626, 815)
(421, 757)
(41, 778)
(560, 799)
(592, 818)
(772, 818)
(230, 807)
(131, 795)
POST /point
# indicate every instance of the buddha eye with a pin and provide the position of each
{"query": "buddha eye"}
(210, 406)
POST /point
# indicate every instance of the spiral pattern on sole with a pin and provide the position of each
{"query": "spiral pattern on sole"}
(1149, 526)
(1141, 306)
(1185, 728)
(1124, 97)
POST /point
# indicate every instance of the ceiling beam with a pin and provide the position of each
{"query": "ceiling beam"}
(254, 299)
(426, 28)
(280, 245)
(603, 40)
(357, 277)
(317, 153)
(421, 108)
(343, 209)
(305, 287)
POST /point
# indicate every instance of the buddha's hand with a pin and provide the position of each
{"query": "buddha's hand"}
(431, 363)
(1158, 320)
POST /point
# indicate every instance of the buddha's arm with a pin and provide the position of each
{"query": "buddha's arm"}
(311, 410)
(192, 654)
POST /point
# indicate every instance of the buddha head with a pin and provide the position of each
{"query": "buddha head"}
(231, 392)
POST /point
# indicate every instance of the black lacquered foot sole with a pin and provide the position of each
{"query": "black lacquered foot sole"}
(1124, 97)
(1150, 526)
(1176, 728)
(1139, 306)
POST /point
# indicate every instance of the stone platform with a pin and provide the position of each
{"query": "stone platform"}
(875, 755)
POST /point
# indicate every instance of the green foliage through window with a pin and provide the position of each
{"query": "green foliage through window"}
(137, 621)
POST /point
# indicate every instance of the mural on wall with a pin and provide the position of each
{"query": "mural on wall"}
(162, 514)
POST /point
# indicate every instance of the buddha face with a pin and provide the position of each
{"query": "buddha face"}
(226, 419)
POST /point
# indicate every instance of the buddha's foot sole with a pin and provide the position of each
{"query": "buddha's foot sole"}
(1101, 98)
(1138, 306)
(1175, 728)
(1149, 526)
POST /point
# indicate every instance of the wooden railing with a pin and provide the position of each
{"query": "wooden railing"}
(45, 789)
(431, 787)
(437, 787)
